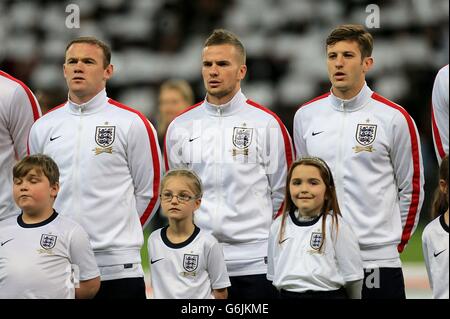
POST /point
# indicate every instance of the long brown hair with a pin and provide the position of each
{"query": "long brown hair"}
(440, 201)
(330, 205)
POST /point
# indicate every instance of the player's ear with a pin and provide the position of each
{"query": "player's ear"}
(108, 73)
(367, 64)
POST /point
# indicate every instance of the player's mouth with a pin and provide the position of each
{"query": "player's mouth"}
(78, 78)
(213, 83)
(339, 76)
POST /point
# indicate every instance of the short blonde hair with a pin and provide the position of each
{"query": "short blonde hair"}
(191, 175)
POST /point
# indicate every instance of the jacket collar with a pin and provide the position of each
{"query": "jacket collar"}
(226, 109)
(354, 104)
(92, 106)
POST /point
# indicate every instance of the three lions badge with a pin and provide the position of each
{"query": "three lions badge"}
(104, 137)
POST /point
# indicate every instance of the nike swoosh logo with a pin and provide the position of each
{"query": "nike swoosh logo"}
(435, 255)
(284, 240)
(54, 138)
(6, 241)
(316, 133)
(193, 139)
(155, 261)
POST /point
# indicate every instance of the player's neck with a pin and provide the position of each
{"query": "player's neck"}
(180, 231)
(33, 217)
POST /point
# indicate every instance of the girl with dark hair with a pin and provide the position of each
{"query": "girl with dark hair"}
(313, 253)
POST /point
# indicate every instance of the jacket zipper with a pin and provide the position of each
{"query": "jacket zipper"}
(218, 165)
(341, 150)
(76, 166)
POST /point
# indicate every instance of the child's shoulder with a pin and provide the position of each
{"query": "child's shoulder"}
(156, 233)
(433, 226)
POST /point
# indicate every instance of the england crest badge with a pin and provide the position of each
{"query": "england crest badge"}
(190, 262)
(366, 133)
(242, 139)
(48, 241)
(104, 137)
(316, 240)
(365, 136)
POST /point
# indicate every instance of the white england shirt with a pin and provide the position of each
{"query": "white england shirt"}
(40, 260)
(188, 270)
(296, 265)
(435, 253)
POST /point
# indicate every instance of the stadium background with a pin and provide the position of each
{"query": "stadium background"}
(155, 40)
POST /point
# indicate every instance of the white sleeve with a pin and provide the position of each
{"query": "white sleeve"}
(272, 242)
(348, 255)
(36, 142)
(81, 254)
(299, 142)
(406, 157)
(25, 111)
(439, 116)
(217, 269)
(280, 158)
(144, 160)
(426, 257)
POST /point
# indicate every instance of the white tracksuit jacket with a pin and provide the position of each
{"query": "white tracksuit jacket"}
(439, 113)
(241, 151)
(373, 149)
(18, 111)
(110, 167)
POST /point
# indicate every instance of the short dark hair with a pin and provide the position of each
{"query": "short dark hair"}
(92, 40)
(222, 36)
(43, 165)
(353, 32)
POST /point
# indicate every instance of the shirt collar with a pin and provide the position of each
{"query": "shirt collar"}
(353, 104)
(228, 108)
(91, 106)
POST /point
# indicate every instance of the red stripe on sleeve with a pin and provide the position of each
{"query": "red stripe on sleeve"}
(30, 96)
(413, 208)
(437, 135)
(156, 165)
(289, 153)
(288, 148)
